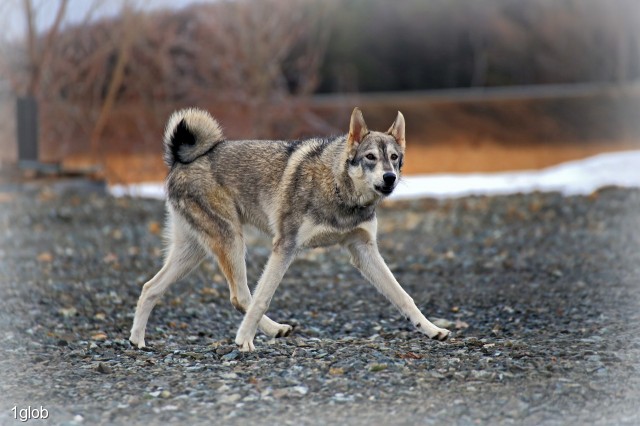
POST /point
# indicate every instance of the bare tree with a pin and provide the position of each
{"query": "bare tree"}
(39, 57)
(117, 77)
(110, 81)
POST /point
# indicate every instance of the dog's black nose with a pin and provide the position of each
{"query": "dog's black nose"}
(389, 178)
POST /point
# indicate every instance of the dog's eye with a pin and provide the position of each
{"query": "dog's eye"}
(371, 157)
(394, 157)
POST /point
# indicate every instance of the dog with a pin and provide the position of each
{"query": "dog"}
(304, 193)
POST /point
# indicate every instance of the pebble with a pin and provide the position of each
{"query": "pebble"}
(104, 368)
(231, 355)
(229, 399)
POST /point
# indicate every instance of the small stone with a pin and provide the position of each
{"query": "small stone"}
(461, 325)
(223, 350)
(473, 342)
(230, 399)
(409, 355)
(377, 367)
(221, 387)
(436, 375)
(104, 368)
(99, 336)
(340, 397)
(302, 390)
(68, 312)
(443, 323)
(336, 371)
(45, 257)
(280, 393)
(169, 408)
(210, 291)
(229, 376)
(231, 355)
(165, 394)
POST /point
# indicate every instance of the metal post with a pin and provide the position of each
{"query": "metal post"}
(27, 111)
(28, 143)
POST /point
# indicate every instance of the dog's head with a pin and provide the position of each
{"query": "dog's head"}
(375, 158)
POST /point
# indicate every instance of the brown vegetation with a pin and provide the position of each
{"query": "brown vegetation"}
(452, 133)
(117, 79)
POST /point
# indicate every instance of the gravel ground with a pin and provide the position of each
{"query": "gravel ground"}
(541, 291)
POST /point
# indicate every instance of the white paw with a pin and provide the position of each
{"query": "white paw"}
(278, 330)
(137, 338)
(441, 335)
(284, 330)
(244, 339)
(434, 332)
(274, 329)
(246, 346)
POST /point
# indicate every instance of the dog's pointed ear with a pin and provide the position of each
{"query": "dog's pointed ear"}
(397, 130)
(357, 129)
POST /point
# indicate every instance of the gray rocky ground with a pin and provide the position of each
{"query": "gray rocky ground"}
(541, 290)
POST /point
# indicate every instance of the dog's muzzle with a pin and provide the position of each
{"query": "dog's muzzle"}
(389, 179)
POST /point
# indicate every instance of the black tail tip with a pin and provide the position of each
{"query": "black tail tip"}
(181, 135)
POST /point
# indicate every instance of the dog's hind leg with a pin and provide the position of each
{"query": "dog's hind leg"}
(184, 254)
(230, 255)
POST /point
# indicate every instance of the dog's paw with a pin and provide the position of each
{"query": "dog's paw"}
(244, 339)
(137, 338)
(274, 329)
(246, 345)
(434, 332)
(284, 330)
(441, 335)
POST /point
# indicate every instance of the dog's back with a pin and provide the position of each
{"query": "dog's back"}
(249, 180)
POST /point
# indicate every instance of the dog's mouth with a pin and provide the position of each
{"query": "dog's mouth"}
(385, 190)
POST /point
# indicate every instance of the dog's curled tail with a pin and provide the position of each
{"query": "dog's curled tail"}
(189, 134)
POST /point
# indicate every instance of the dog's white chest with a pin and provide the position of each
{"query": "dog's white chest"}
(311, 235)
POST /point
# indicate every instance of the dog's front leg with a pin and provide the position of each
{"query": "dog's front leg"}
(277, 265)
(366, 257)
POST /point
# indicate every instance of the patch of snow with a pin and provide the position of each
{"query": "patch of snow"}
(580, 177)
(143, 190)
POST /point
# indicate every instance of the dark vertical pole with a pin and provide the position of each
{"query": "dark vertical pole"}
(27, 111)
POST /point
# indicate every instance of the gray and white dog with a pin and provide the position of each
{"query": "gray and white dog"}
(309, 193)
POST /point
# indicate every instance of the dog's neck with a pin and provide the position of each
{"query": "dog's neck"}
(346, 194)
(351, 203)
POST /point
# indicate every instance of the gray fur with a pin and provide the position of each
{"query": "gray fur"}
(308, 193)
